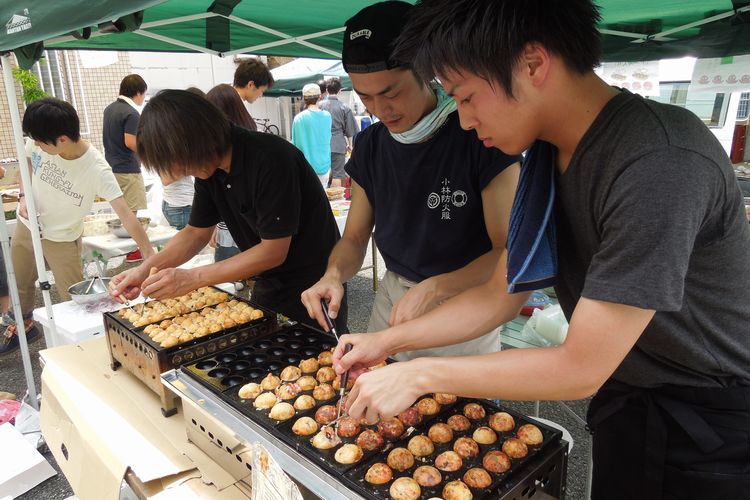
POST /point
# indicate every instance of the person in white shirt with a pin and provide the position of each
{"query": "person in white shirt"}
(67, 173)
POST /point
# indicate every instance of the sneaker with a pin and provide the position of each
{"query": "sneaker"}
(9, 340)
(134, 256)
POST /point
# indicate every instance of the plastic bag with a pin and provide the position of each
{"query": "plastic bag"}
(548, 326)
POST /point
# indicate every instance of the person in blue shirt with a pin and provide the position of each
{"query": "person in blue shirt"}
(311, 133)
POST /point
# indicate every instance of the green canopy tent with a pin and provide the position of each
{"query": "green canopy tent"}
(632, 29)
(289, 81)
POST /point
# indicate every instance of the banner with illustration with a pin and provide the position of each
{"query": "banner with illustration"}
(638, 77)
(724, 74)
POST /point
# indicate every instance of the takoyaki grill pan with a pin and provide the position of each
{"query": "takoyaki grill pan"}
(226, 372)
(131, 347)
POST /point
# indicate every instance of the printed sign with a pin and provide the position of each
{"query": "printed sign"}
(725, 74)
(638, 77)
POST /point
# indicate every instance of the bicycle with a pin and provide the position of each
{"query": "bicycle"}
(265, 125)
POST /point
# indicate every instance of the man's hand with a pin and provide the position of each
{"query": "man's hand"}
(373, 396)
(169, 283)
(367, 350)
(21, 209)
(128, 283)
(416, 301)
(329, 289)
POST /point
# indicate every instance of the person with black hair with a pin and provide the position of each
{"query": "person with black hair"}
(67, 174)
(119, 123)
(343, 129)
(438, 201)
(251, 79)
(651, 256)
(323, 87)
(259, 184)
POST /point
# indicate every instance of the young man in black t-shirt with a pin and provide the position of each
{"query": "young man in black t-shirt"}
(652, 257)
(258, 184)
(439, 202)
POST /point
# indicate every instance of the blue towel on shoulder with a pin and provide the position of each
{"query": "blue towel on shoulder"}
(532, 245)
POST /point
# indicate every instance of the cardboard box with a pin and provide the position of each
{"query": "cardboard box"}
(21, 466)
(104, 427)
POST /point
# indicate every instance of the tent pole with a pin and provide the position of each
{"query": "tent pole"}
(10, 90)
(30, 202)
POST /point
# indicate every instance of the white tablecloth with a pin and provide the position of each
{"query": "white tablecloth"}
(109, 245)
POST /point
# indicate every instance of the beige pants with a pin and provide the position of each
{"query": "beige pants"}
(392, 288)
(63, 257)
(133, 190)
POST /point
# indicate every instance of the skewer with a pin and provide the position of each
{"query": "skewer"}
(345, 377)
(151, 272)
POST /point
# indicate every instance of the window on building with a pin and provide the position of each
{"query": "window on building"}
(742, 107)
(51, 76)
(708, 106)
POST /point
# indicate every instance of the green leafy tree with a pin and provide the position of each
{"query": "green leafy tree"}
(29, 85)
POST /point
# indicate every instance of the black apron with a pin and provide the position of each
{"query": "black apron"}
(670, 442)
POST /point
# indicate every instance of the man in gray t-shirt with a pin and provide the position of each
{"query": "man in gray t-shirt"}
(343, 129)
(653, 254)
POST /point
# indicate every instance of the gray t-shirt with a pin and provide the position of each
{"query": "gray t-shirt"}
(649, 214)
(343, 124)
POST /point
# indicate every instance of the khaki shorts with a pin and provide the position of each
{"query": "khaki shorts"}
(133, 190)
(392, 288)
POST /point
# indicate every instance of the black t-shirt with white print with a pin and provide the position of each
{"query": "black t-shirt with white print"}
(427, 197)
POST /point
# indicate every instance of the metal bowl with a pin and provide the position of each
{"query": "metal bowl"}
(116, 227)
(99, 290)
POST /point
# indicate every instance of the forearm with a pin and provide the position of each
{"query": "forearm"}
(464, 317)
(247, 264)
(515, 374)
(182, 247)
(346, 259)
(475, 273)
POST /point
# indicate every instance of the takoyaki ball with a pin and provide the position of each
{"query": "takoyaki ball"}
(307, 383)
(400, 459)
(305, 426)
(466, 447)
(325, 414)
(287, 391)
(449, 461)
(250, 391)
(477, 478)
(445, 399)
(325, 440)
(290, 373)
(379, 473)
(325, 358)
(370, 440)
(428, 406)
(337, 384)
(515, 448)
(410, 417)
(282, 411)
(440, 433)
(391, 429)
(324, 392)
(459, 423)
(309, 365)
(405, 488)
(457, 490)
(326, 375)
(496, 461)
(348, 427)
(502, 422)
(270, 382)
(421, 446)
(256, 314)
(265, 400)
(530, 434)
(474, 411)
(348, 454)
(484, 435)
(304, 402)
(427, 475)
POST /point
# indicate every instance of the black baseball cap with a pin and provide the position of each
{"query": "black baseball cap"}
(369, 37)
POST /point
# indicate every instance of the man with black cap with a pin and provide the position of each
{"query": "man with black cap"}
(438, 199)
